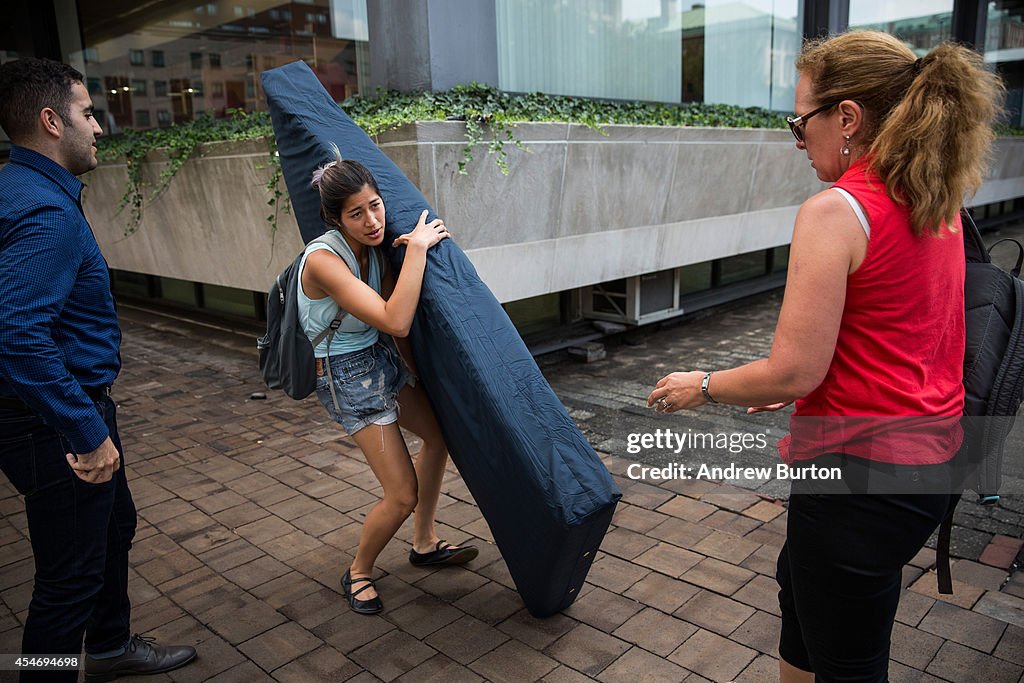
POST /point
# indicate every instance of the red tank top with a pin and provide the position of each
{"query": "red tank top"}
(900, 348)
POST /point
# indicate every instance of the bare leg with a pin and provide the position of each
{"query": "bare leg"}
(388, 457)
(418, 417)
(790, 674)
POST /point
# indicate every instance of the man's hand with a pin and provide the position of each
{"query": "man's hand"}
(98, 466)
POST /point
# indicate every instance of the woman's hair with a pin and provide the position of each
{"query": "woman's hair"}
(928, 121)
(337, 181)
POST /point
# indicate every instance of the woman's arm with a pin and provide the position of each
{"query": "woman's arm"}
(394, 315)
(828, 244)
(387, 286)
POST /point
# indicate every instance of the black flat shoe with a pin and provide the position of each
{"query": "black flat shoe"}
(443, 553)
(371, 606)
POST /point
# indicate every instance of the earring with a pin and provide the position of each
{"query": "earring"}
(845, 151)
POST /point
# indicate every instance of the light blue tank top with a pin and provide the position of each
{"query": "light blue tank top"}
(316, 315)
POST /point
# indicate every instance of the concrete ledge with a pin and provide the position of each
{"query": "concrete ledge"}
(579, 206)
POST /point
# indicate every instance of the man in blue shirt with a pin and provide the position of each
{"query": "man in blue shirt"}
(59, 355)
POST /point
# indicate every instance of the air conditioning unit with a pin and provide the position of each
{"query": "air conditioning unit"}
(634, 300)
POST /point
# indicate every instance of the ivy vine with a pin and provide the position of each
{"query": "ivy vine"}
(484, 109)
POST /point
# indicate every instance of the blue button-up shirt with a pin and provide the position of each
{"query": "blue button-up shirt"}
(58, 327)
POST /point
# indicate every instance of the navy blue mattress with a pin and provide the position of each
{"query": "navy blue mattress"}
(542, 489)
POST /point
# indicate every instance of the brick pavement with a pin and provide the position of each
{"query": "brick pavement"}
(248, 508)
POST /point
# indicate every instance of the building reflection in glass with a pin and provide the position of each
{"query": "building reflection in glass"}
(169, 61)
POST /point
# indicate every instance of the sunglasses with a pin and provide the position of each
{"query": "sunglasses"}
(797, 123)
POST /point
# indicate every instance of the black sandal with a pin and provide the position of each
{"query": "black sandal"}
(443, 553)
(371, 606)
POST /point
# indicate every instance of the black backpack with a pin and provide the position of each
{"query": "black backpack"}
(286, 353)
(993, 372)
(994, 361)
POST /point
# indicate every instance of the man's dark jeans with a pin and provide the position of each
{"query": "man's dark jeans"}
(81, 534)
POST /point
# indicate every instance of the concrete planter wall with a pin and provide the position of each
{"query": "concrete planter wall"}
(579, 207)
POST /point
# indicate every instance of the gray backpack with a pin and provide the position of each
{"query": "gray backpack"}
(286, 353)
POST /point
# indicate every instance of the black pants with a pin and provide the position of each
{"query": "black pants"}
(80, 533)
(840, 574)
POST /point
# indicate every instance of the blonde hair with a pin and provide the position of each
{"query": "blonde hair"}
(928, 121)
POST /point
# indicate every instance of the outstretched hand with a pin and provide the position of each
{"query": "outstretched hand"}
(424, 234)
(677, 391)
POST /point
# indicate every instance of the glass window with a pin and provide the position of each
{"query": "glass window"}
(229, 300)
(94, 85)
(160, 88)
(535, 314)
(163, 118)
(695, 278)
(694, 51)
(741, 267)
(138, 87)
(216, 46)
(142, 118)
(921, 24)
(1004, 50)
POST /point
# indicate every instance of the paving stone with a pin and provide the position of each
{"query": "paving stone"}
(764, 561)
(586, 649)
(513, 662)
(962, 626)
(603, 610)
(913, 607)
(764, 511)
(348, 631)
(913, 647)
(662, 592)
(979, 575)
(687, 508)
(466, 639)
(451, 584)
(239, 619)
(440, 669)
(279, 645)
(168, 567)
(712, 656)
(656, 632)
(626, 544)
(257, 572)
(668, 559)
(316, 608)
(240, 515)
(534, 632)
(679, 532)
(964, 595)
(760, 592)
(643, 667)
(731, 523)
(563, 674)
(634, 518)
(263, 530)
(714, 612)
(422, 616)
(1005, 608)
(726, 547)
(718, 576)
(614, 574)
(286, 589)
(215, 656)
(492, 603)
(1011, 645)
(763, 669)
(960, 664)
(392, 655)
(760, 632)
(735, 499)
(322, 664)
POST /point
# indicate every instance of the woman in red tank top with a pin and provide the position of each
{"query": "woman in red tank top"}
(870, 338)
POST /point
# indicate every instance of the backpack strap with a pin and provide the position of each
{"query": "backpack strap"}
(336, 243)
(942, 571)
(974, 247)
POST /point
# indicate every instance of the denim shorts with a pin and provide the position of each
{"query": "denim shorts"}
(367, 383)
